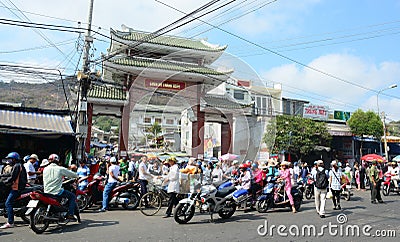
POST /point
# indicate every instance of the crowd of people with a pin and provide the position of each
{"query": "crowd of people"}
(250, 175)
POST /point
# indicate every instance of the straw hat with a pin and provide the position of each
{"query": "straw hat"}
(285, 163)
(45, 162)
(271, 162)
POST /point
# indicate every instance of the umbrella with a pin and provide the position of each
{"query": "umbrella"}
(229, 156)
(371, 157)
(396, 159)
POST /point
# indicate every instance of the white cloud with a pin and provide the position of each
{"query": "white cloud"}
(348, 67)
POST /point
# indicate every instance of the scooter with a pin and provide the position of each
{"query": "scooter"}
(268, 200)
(44, 209)
(82, 198)
(309, 188)
(346, 192)
(126, 194)
(388, 185)
(210, 199)
(20, 202)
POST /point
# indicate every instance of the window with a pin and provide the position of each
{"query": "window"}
(169, 121)
(264, 105)
(238, 94)
(158, 120)
(147, 120)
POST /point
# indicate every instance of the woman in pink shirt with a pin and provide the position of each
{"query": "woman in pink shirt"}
(284, 174)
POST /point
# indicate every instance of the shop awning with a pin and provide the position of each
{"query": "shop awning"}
(32, 122)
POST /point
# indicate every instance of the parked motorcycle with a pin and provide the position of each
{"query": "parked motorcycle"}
(126, 194)
(20, 202)
(268, 200)
(82, 198)
(388, 185)
(309, 188)
(44, 208)
(346, 192)
(210, 199)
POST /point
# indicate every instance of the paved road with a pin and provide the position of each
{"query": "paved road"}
(121, 225)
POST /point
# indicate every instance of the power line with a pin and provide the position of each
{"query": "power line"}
(288, 58)
(36, 31)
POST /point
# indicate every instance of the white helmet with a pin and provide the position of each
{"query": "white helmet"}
(113, 160)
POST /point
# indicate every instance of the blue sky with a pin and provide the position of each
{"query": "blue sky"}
(355, 41)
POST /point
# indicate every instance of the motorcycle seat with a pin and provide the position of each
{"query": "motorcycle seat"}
(56, 197)
(225, 191)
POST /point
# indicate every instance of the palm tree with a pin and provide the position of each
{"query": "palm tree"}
(155, 131)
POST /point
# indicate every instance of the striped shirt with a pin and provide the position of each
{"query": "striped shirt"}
(335, 179)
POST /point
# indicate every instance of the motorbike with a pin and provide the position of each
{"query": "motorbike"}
(268, 200)
(20, 202)
(126, 194)
(210, 199)
(309, 188)
(82, 199)
(44, 209)
(388, 185)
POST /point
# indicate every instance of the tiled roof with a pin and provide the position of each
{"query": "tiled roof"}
(222, 101)
(173, 41)
(165, 65)
(107, 92)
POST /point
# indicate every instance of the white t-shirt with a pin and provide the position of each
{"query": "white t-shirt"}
(143, 173)
(30, 168)
(115, 171)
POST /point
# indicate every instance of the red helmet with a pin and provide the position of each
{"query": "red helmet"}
(243, 166)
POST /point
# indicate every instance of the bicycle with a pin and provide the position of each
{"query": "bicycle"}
(151, 202)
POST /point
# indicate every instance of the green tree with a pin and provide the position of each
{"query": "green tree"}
(155, 131)
(296, 135)
(365, 124)
(105, 122)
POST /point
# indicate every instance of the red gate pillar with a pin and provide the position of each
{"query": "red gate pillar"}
(198, 133)
(89, 127)
(226, 136)
(124, 130)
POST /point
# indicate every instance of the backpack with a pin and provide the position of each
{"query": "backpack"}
(321, 181)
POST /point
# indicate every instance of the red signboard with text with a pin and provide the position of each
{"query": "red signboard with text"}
(167, 85)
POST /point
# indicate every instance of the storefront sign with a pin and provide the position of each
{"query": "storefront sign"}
(340, 115)
(315, 112)
(167, 85)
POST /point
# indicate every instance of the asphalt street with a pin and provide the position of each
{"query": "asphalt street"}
(371, 220)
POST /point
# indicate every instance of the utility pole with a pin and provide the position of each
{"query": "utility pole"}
(384, 136)
(84, 78)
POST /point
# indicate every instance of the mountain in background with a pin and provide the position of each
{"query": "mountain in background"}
(44, 95)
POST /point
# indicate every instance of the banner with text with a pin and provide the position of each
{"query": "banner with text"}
(315, 111)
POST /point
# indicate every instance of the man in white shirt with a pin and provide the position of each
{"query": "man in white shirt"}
(173, 185)
(144, 175)
(113, 172)
(395, 174)
(30, 169)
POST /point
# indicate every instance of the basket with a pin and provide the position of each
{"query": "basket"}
(189, 183)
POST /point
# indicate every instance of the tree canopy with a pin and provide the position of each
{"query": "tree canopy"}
(296, 135)
(366, 124)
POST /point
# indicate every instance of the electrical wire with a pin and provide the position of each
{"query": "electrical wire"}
(289, 58)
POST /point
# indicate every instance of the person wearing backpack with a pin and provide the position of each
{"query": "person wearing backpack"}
(321, 183)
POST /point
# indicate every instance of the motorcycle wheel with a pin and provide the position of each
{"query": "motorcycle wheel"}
(385, 190)
(134, 200)
(181, 213)
(297, 203)
(38, 224)
(228, 210)
(150, 204)
(262, 206)
(82, 201)
(308, 194)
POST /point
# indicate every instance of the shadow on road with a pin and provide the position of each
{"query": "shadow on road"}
(87, 223)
